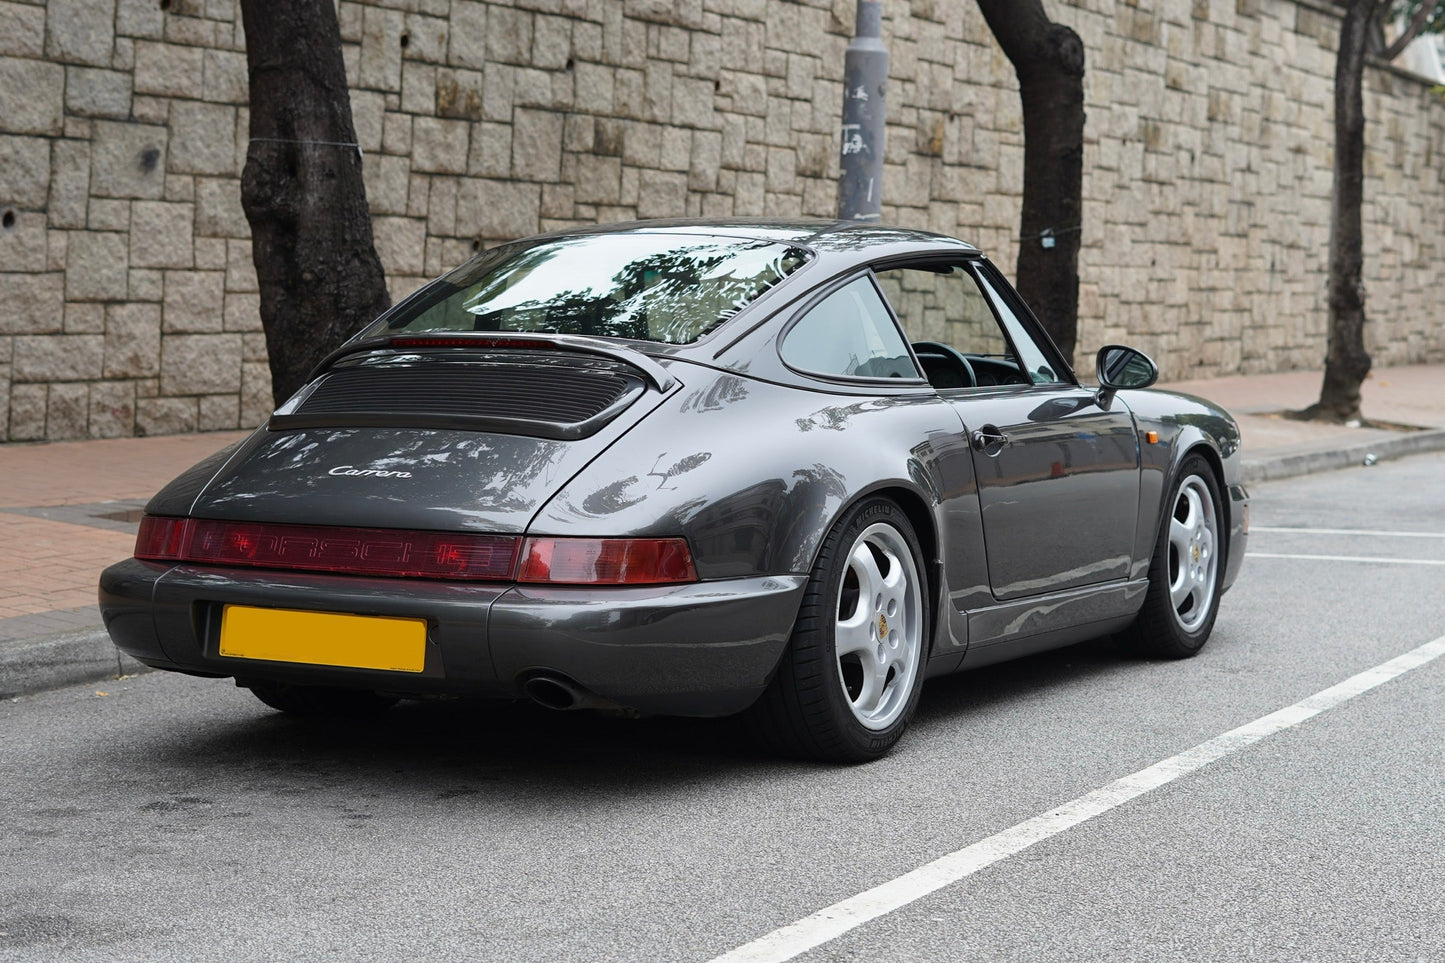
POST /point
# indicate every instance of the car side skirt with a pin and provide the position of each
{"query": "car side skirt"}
(1024, 626)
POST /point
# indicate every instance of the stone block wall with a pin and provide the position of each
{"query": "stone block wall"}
(128, 300)
(1208, 171)
(127, 297)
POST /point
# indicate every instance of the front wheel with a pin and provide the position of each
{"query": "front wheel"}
(851, 676)
(1184, 575)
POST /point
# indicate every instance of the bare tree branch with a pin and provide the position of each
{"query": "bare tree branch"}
(1413, 29)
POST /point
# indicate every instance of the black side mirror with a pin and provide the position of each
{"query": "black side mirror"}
(1120, 366)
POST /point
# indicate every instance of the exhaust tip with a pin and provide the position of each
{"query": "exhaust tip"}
(552, 693)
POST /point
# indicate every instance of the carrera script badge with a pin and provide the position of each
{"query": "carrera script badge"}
(368, 472)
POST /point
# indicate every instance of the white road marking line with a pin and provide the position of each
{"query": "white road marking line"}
(828, 924)
(1348, 558)
(1373, 533)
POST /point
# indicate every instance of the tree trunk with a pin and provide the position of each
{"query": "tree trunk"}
(1049, 61)
(1346, 362)
(319, 274)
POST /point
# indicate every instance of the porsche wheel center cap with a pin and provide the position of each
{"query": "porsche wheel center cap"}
(1196, 553)
(882, 626)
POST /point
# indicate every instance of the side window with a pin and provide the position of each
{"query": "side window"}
(954, 331)
(945, 305)
(849, 333)
(1036, 362)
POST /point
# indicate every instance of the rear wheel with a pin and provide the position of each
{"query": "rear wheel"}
(851, 676)
(316, 701)
(1183, 596)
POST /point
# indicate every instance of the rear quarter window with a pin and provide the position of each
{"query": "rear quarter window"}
(849, 334)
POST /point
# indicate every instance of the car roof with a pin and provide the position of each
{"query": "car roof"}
(864, 240)
(838, 247)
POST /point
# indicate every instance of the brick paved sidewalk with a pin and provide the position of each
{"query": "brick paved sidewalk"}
(67, 510)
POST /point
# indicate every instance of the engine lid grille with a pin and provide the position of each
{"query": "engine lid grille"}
(542, 397)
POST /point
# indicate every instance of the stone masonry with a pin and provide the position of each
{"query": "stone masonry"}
(128, 299)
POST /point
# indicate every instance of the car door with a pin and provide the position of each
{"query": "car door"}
(1058, 476)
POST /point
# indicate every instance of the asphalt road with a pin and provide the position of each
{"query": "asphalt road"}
(167, 818)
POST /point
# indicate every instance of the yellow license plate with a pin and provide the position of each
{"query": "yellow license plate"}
(323, 638)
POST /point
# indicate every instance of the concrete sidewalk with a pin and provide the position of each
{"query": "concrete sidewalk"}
(1410, 398)
(68, 509)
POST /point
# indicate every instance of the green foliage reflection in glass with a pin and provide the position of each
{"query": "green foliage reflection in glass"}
(650, 287)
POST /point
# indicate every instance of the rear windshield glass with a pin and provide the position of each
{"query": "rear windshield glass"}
(650, 287)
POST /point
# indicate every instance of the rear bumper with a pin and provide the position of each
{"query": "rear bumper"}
(703, 649)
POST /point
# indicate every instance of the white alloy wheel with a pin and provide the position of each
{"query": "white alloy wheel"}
(879, 629)
(1193, 557)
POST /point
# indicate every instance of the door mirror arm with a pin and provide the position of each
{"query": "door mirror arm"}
(1120, 367)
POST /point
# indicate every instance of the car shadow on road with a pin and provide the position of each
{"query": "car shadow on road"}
(980, 690)
(462, 747)
(437, 743)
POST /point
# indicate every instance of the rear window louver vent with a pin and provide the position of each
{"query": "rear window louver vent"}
(546, 400)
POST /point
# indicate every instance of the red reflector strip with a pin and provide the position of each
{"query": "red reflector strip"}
(320, 548)
(464, 341)
(606, 561)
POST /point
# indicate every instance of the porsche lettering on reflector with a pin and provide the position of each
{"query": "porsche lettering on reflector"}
(323, 638)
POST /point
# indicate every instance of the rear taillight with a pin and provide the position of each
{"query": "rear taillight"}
(410, 554)
(161, 538)
(317, 548)
(606, 561)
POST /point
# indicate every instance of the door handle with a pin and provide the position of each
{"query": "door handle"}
(989, 440)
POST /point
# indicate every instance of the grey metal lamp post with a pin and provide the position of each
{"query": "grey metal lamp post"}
(865, 75)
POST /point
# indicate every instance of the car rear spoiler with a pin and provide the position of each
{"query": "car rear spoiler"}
(653, 372)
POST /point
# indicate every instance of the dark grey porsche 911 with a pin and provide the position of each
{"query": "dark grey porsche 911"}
(783, 468)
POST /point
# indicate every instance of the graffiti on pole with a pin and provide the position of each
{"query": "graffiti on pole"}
(860, 150)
